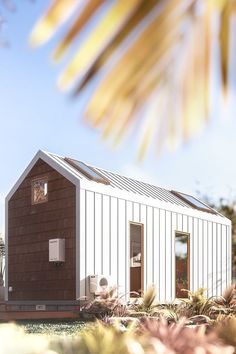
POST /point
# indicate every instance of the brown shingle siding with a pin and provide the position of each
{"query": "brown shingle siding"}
(31, 227)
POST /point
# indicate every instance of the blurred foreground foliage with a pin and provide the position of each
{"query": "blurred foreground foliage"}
(146, 58)
(150, 336)
(210, 329)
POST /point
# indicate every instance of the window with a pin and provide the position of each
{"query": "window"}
(181, 264)
(193, 202)
(87, 171)
(136, 258)
(39, 190)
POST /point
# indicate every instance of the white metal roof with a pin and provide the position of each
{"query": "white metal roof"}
(129, 184)
(120, 186)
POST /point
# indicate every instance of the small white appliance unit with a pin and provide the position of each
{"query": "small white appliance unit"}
(98, 283)
(57, 250)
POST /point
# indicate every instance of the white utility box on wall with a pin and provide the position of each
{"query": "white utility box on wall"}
(98, 283)
(57, 250)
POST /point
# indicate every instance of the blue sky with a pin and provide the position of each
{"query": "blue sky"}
(35, 115)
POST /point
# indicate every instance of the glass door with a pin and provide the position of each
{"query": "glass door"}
(136, 258)
(181, 264)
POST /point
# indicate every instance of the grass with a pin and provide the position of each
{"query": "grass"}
(52, 327)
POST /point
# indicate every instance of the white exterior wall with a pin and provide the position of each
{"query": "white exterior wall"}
(102, 237)
(104, 244)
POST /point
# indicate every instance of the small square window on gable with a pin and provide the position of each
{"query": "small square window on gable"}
(39, 190)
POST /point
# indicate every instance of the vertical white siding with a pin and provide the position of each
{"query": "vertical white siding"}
(224, 260)
(205, 254)
(191, 254)
(210, 259)
(105, 235)
(105, 246)
(98, 233)
(162, 255)
(172, 255)
(179, 222)
(200, 254)
(156, 249)
(129, 217)
(82, 243)
(214, 258)
(114, 241)
(143, 220)
(168, 258)
(219, 261)
(121, 246)
(185, 223)
(195, 282)
(136, 212)
(149, 248)
(89, 240)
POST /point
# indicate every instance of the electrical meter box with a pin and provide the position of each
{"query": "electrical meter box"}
(57, 250)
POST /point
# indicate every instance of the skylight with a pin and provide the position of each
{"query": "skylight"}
(87, 171)
(193, 202)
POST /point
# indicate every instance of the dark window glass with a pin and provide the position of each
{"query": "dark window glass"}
(194, 202)
(181, 264)
(87, 171)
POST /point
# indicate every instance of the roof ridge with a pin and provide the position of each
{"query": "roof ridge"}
(141, 187)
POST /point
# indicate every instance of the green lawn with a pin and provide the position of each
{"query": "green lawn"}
(53, 327)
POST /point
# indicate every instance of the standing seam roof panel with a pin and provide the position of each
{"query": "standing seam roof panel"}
(128, 184)
(142, 188)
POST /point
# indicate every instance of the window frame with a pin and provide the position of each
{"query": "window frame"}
(38, 179)
(142, 251)
(178, 234)
(181, 195)
(77, 165)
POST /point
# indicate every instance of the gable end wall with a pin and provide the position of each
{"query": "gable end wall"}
(30, 227)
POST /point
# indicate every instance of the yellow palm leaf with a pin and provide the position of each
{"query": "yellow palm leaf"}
(55, 16)
(141, 12)
(146, 51)
(224, 41)
(120, 12)
(87, 12)
(153, 45)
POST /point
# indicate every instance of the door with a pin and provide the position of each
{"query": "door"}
(136, 258)
(181, 264)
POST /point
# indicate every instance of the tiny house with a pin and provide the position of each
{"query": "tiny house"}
(72, 229)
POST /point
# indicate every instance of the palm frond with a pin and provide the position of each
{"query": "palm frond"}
(55, 16)
(145, 51)
(87, 12)
(226, 15)
(100, 38)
